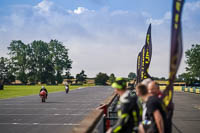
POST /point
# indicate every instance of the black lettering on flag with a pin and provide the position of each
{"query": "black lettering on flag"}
(138, 67)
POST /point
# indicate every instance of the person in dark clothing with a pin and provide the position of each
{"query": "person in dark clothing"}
(155, 104)
(154, 89)
(44, 89)
(129, 112)
(156, 113)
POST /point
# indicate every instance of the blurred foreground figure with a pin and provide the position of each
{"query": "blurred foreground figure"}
(154, 89)
(146, 82)
(155, 117)
(129, 112)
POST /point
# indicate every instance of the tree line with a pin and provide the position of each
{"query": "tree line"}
(35, 62)
(49, 63)
(192, 74)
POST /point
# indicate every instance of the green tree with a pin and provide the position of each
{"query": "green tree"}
(41, 65)
(193, 61)
(162, 78)
(101, 79)
(112, 78)
(6, 74)
(3, 70)
(187, 78)
(39, 61)
(60, 59)
(19, 58)
(155, 78)
(131, 76)
(81, 77)
(68, 75)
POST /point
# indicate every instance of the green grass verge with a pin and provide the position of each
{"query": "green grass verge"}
(11, 91)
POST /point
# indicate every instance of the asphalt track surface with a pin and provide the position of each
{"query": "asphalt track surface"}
(187, 113)
(59, 114)
(63, 111)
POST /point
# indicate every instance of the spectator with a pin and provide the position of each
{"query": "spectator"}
(155, 121)
(145, 82)
(154, 89)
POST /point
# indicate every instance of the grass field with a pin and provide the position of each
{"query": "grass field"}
(11, 91)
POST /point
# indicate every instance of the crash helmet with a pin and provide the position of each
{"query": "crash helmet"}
(120, 83)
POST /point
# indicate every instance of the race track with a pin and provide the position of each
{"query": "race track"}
(187, 113)
(63, 111)
(58, 115)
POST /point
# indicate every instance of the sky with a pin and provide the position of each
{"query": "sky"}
(101, 35)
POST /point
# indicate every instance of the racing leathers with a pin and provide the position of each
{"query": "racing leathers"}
(129, 114)
(44, 89)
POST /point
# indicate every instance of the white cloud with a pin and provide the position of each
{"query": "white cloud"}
(146, 14)
(119, 12)
(165, 18)
(80, 10)
(192, 5)
(3, 29)
(44, 6)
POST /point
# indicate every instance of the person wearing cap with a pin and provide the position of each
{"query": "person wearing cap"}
(129, 113)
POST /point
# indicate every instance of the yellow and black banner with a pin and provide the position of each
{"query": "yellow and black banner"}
(144, 58)
(138, 67)
(176, 50)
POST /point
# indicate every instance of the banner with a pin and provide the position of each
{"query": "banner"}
(145, 58)
(138, 67)
(176, 50)
(148, 50)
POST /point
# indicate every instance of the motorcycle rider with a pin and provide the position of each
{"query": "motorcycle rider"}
(66, 88)
(44, 89)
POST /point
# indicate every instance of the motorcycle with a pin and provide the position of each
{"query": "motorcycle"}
(43, 96)
(67, 89)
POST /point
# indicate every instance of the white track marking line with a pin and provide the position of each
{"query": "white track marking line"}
(44, 124)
